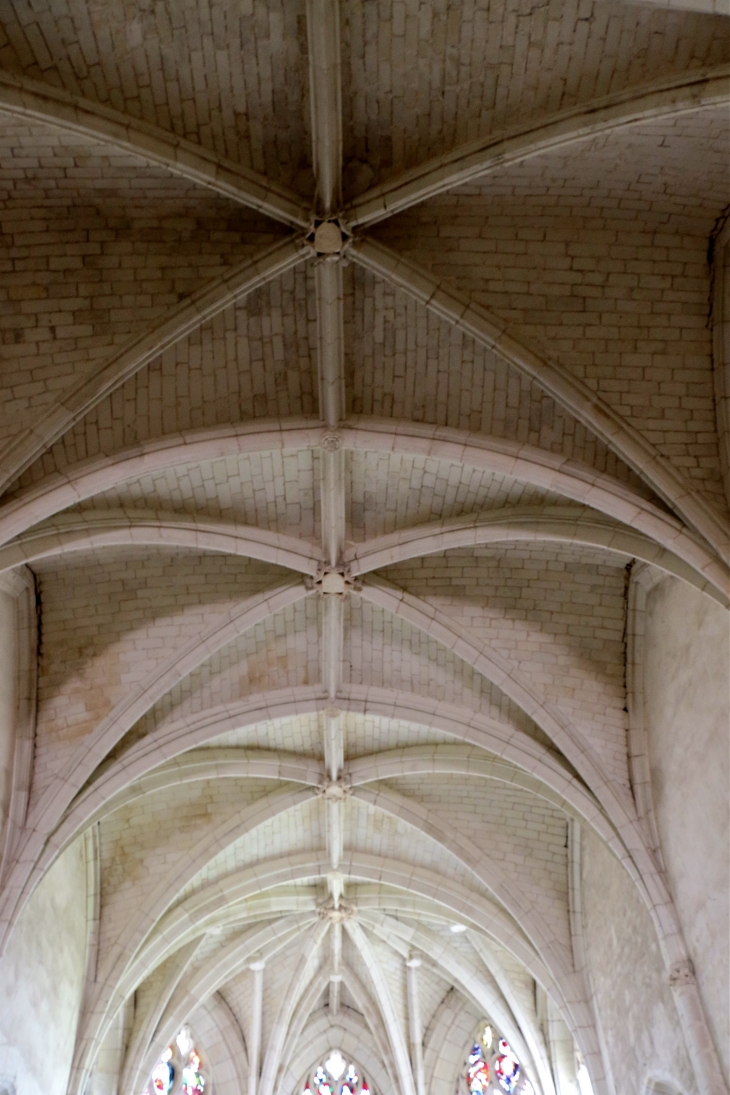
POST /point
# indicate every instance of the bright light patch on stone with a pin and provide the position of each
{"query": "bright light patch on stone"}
(185, 1041)
(335, 1064)
(584, 1080)
(456, 928)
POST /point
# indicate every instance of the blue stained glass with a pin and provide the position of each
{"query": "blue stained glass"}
(501, 1067)
(507, 1067)
(477, 1073)
(163, 1077)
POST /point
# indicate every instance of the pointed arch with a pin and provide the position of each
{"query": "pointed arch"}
(396, 1034)
(50, 807)
(522, 524)
(122, 973)
(447, 959)
(84, 394)
(610, 114)
(97, 529)
(202, 909)
(300, 978)
(527, 463)
(484, 868)
(616, 801)
(322, 1031)
(168, 754)
(33, 101)
(225, 1048)
(263, 942)
(570, 392)
(146, 1022)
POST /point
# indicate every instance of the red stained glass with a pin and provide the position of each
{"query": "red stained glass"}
(507, 1069)
(477, 1077)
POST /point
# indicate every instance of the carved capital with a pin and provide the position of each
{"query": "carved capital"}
(337, 915)
(329, 239)
(335, 790)
(333, 581)
(682, 973)
(331, 442)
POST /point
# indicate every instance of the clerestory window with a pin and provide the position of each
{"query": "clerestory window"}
(336, 1076)
(492, 1067)
(179, 1069)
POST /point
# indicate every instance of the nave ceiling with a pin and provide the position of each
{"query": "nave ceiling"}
(356, 360)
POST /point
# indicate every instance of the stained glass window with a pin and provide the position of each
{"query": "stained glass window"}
(336, 1076)
(193, 1081)
(492, 1067)
(477, 1073)
(163, 1074)
(507, 1067)
(180, 1059)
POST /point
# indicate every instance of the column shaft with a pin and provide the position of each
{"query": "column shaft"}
(254, 1038)
(414, 1024)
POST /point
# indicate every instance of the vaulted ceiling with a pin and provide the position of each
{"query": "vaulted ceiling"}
(351, 352)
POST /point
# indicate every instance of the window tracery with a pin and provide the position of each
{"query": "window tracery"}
(336, 1076)
(492, 1066)
(179, 1069)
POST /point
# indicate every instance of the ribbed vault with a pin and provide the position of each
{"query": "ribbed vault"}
(330, 467)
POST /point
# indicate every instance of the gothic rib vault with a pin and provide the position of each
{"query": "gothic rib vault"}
(363, 409)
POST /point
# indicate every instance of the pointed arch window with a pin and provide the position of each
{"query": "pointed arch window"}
(492, 1066)
(336, 1076)
(179, 1069)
